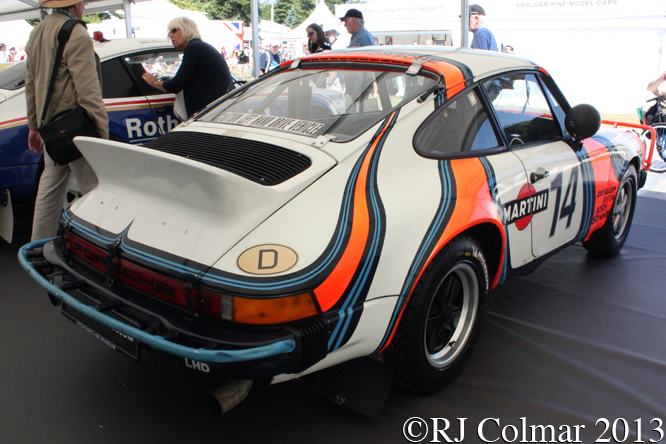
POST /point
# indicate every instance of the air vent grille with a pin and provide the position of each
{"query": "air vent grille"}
(259, 162)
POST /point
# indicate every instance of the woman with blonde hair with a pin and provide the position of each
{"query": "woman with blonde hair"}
(203, 76)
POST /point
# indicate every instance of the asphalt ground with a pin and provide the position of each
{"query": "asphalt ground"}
(578, 340)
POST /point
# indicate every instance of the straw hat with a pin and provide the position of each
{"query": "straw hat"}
(58, 3)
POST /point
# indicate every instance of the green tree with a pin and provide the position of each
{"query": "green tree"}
(291, 17)
(281, 10)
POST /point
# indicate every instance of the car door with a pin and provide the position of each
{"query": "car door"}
(534, 134)
(137, 112)
(463, 128)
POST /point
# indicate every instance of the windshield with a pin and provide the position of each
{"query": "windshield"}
(341, 103)
(13, 77)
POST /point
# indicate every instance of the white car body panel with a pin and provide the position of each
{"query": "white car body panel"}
(188, 202)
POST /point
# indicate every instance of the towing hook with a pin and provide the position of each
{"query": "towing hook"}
(228, 395)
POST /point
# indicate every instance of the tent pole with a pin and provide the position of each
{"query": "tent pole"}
(255, 38)
(128, 19)
(464, 24)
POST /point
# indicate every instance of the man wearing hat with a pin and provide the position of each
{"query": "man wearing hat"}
(271, 59)
(78, 82)
(484, 37)
(332, 36)
(354, 24)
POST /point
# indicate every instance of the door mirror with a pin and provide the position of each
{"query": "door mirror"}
(582, 121)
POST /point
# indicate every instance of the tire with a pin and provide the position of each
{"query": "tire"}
(442, 320)
(609, 239)
(658, 160)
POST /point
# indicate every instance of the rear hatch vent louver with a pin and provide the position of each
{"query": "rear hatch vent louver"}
(259, 162)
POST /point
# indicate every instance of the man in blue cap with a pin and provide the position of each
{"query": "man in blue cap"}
(484, 37)
(354, 24)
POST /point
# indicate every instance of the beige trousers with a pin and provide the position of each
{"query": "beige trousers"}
(52, 190)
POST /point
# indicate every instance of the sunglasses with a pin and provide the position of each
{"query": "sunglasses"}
(173, 31)
(310, 33)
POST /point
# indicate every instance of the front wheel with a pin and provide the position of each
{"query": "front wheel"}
(443, 318)
(658, 160)
(609, 239)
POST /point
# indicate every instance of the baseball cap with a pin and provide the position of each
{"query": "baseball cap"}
(476, 10)
(354, 13)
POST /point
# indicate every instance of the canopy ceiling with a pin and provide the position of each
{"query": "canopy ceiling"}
(27, 9)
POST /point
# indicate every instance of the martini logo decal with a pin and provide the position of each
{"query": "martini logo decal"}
(529, 203)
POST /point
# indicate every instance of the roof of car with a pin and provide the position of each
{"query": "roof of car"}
(117, 47)
(473, 63)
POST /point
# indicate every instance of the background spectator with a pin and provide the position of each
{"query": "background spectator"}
(354, 24)
(317, 41)
(203, 76)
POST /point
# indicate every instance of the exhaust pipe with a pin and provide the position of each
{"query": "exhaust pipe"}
(228, 395)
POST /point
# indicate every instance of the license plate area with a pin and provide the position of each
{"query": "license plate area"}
(116, 340)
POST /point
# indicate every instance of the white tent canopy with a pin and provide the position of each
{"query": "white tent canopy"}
(321, 16)
(15, 33)
(150, 20)
(602, 52)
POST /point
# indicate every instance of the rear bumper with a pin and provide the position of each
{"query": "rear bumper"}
(94, 304)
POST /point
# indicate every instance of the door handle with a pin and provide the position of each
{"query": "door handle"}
(163, 110)
(539, 174)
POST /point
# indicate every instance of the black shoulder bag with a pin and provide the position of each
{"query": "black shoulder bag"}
(59, 132)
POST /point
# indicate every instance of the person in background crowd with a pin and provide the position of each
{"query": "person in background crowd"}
(658, 88)
(21, 53)
(78, 82)
(354, 24)
(12, 55)
(270, 59)
(203, 76)
(317, 41)
(332, 36)
(4, 54)
(484, 37)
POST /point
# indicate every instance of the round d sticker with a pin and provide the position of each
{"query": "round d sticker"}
(267, 259)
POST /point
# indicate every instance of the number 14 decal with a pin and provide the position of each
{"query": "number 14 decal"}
(568, 208)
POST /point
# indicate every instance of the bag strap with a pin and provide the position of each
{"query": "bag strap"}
(63, 37)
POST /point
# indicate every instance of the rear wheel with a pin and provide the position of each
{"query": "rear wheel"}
(609, 239)
(443, 318)
(659, 159)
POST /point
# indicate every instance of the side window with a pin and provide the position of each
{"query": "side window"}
(115, 81)
(459, 126)
(522, 109)
(557, 110)
(162, 65)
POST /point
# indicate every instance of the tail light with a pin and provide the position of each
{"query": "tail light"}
(259, 311)
(263, 311)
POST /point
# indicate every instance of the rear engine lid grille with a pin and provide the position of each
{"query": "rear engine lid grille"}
(259, 162)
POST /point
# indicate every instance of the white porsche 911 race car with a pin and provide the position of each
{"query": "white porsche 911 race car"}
(350, 209)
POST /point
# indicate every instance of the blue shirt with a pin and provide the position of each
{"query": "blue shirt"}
(361, 37)
(485, 39)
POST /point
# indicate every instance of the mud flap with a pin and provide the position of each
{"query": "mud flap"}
(6, 217)
(361, 384)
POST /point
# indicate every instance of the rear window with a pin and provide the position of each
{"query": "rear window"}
(13, 77)
(342, 103)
